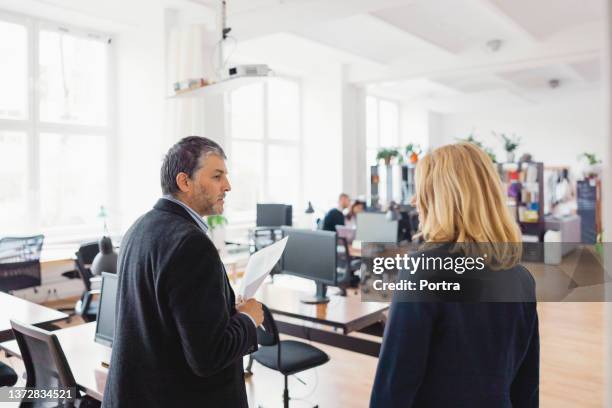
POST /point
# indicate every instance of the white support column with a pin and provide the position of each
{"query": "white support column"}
(607, 195)
(353, 139)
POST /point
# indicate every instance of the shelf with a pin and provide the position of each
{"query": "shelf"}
(219, 87)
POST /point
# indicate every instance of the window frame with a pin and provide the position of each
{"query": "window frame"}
(33, 127)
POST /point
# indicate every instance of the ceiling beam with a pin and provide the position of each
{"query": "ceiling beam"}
(505, 18)
(291, 16)
(533, 59)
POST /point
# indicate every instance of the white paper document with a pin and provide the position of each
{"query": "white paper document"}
(259, 266)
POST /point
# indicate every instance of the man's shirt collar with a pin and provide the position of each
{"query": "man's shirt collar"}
(199, 220)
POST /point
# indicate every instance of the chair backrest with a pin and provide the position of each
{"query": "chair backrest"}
(43, 357)
(20, 262)
(85, 256)
(261, 237)
(21, 249)
(267, 333)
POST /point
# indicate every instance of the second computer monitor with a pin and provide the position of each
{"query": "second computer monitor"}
(105, 322)
(375, 227)
(312, 255)
(274, 215)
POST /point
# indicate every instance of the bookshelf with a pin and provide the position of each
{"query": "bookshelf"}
(408, 183)
(523, 185)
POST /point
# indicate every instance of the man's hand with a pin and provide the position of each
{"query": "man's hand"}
(252, 308)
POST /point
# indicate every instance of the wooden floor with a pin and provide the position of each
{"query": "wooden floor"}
(572, 371)
(572, 356)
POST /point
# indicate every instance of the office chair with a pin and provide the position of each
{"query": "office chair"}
(347, 265)
(86, 307)
(288, 356)
(261, 237)
(46, 365)
(8, 376)
(20, 262)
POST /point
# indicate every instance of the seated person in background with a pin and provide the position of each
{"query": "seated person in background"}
(335, 216)
(351, 218)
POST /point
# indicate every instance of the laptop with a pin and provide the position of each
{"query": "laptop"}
(346, 232)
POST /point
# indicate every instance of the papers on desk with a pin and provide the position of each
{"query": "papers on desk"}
(259, 266)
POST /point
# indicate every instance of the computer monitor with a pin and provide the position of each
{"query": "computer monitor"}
(105, 322)
(375, 227)
(312, 255)
(274, 215)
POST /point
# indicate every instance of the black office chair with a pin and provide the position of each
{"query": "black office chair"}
(87, 306)
(20, 262)
(288, 356)
(261, 237)
(46, 365)
(8, 376)
(347, 265)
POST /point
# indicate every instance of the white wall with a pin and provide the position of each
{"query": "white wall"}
(554, 133)
(140, 111)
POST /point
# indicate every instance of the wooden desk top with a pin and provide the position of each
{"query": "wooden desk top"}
(65, 253)
(83, 354)
(348, 313)
(25, 311)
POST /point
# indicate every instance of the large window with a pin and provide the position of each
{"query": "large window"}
(265, 138)
(382, 126)
(56, 127)
(382, 130)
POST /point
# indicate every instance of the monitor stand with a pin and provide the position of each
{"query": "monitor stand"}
(320, 297)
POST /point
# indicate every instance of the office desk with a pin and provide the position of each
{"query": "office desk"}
(25, 311)
(329, 323)
(66, 254)
(83, 354)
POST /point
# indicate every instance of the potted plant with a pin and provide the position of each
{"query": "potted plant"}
(387, 154)
(412, 152)
(217, 223)
(592, 167)
(599, 245)
(471, 139)
(510, 145)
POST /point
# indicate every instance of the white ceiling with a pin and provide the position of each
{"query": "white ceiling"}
(435, 52)
(414, 50)
(543, 18)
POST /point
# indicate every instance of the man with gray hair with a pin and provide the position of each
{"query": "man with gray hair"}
(179, 335)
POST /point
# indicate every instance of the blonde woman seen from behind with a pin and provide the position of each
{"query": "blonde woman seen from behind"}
(450, 354)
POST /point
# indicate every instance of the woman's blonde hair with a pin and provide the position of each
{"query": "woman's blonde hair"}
(460, 199)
